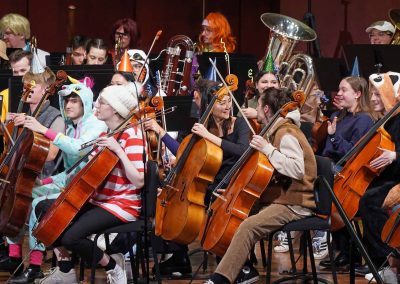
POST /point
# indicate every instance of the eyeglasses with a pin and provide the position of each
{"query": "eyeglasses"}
(118, 34)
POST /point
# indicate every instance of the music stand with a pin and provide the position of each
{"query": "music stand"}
(105, 68)
(101, 74)
(329, 72)
(15, 88)
(369, 55)
(4, 76)
(182, 118)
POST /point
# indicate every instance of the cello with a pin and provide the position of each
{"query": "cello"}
(80, 189)
(10, 132)
(245, 187)
(25, 161)
(353, 180)
(180, 207)
(391, 231)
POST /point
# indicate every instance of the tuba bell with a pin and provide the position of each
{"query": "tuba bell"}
(295, 72)
(394, 15)
(175, 76)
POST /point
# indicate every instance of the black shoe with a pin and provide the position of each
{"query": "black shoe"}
(175, 265)
(362, 270)
(247, 275)
(341, 261)
(8, 265)
(28, 276)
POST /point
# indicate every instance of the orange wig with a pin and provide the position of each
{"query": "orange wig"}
(221, 29)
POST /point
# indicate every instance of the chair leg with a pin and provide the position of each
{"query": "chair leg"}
(205, 261)
(253, 257)
(131, 256)
(331, 257)
(81, 270)
(312, 260)
(94, 264)
(155, 258)
(304, 249)
(269, 259)
(291, 252)
(263, 257)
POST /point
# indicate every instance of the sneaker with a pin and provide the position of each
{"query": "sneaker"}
(118, 274)
(320, 246)
(247, 275)
(56, 276)
(387, 275)
(283, 243)
(209, 282)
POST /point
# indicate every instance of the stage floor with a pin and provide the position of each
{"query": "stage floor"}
(280, 263)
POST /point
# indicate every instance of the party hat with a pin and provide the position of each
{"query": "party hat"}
(125, 64)
(355, 71)
(211, 73)
(36, 67)
(269, 65)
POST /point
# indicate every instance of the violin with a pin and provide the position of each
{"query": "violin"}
(180, 206)
(248, 179)
(248, 95)
(25, 161)
(391, 231)
(353, 180)
(319, 132)
(147, 109)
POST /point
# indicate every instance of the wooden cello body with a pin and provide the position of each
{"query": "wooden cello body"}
(249, 178)
(75, 195)
(230, 210)
(180, 207)
(23, 169)
(391, 231)
(353, 180)
(24, 163)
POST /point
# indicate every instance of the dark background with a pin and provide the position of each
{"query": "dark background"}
(49, 19)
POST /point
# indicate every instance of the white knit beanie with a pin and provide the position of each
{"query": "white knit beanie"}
(122, 98)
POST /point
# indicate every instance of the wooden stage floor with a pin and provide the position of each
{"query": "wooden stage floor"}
(280, 262)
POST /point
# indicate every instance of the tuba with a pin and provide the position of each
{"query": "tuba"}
(175, 76)
(295, 71)
(394, 15)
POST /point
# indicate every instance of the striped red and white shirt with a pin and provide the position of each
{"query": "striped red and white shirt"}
(119, 196)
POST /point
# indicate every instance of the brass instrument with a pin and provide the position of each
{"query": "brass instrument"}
(294, 71)
(394, 15)
(118, 51)
(33, 44)
(179, 46)
(299, 73)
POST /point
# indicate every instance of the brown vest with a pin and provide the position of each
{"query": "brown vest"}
(298, 192)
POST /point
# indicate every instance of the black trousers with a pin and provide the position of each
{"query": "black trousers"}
(90, 220)
(374, 218)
